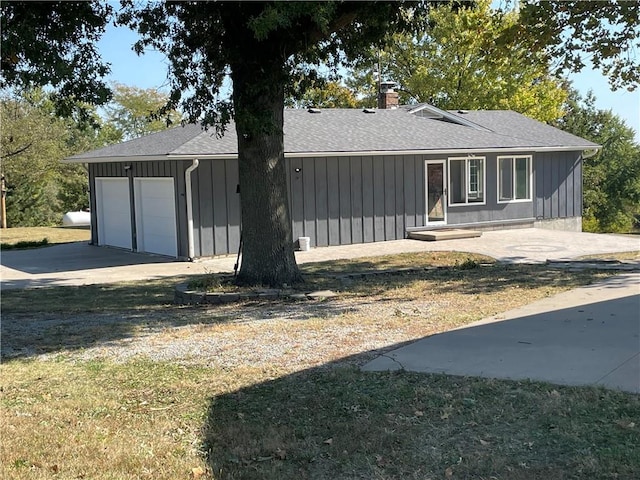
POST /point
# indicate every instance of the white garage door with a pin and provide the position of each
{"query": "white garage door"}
(113, 212)
(156, 216)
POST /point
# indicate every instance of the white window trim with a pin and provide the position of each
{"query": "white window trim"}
(520, 200)
(466, 176)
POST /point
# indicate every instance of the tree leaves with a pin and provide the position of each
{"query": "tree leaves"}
(470, 58)
(136, 112)
(53, 43)
(603, 31)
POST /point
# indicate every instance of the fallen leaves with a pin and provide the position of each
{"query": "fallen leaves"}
(626, 424)
(197, 472)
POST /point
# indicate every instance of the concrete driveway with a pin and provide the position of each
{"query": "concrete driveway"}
(82, 264)
(586, 336)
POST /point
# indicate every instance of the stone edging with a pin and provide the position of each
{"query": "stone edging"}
(184, 296)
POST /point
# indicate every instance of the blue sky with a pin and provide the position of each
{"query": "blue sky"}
(150, 71)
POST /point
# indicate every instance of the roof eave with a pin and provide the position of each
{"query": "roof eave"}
(119, 159)
(361, 153)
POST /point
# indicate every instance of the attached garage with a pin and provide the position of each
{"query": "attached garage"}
(155, 213)
(113, 212)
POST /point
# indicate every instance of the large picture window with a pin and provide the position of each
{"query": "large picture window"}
(466, 180)
(514, 179)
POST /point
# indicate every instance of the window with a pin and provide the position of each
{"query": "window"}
(466, 180)
(514, 179)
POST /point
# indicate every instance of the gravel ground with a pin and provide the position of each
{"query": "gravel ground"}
(289, 334)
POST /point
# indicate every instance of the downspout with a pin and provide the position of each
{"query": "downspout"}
(590, 153)
(187, 181)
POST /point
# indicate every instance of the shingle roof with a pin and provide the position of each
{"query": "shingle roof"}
(335, 131)
(508, 122)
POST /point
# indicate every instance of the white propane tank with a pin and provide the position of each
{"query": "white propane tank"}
(76, 219)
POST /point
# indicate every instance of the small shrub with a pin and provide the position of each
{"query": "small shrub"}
(468, 264)
(213, 282)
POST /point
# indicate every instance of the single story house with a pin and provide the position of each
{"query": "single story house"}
(354, 176)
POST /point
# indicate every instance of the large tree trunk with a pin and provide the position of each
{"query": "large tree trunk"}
(267, 252)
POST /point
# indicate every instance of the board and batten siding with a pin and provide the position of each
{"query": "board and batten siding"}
(558, 185)
(216, 208)
(355, 199)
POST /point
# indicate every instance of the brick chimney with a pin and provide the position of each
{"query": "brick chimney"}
(387, 96)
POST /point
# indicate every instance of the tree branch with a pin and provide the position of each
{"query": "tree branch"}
(315, 35)
(19, 151)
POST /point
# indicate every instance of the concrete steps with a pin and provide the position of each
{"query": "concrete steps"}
(444, 234)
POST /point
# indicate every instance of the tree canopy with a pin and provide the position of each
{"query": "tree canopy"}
(54, 44)
(571, 32)
(455, 62)
(135, 112)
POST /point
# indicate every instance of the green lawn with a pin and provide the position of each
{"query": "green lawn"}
(29, 237)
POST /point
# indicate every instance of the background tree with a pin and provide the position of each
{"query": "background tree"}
(456, 62)
(33, 141)
(136, 112)
(611, 178)
(327, 95)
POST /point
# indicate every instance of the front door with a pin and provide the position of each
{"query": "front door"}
(436, 192)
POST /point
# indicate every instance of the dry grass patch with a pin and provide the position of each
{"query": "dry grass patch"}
(95, 420)
(325, 275)
(11, 236)
(620, 256)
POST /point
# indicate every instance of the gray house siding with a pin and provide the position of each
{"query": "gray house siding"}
(355, 199)
(558, 185)
(216, 207)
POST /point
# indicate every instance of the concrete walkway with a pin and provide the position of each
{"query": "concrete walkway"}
(586, 336)
(82, 264)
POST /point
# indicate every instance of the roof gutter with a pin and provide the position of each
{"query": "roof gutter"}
(187, 179)
(592, 150)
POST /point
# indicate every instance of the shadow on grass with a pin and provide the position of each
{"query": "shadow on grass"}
(341, 423)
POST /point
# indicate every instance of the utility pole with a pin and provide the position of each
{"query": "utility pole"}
(3, 204)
